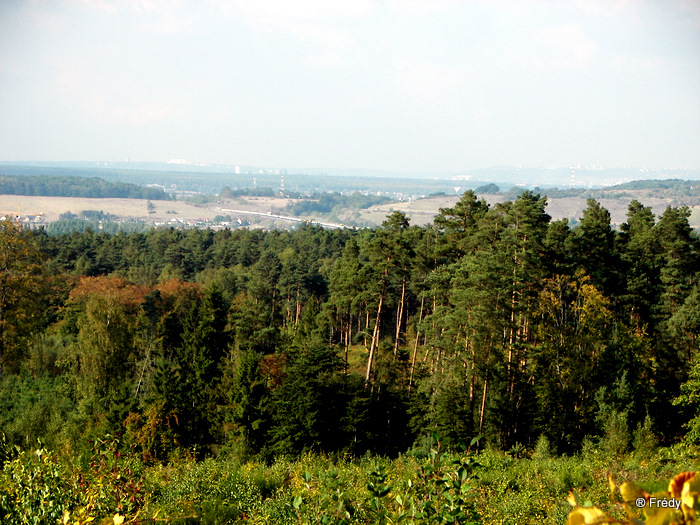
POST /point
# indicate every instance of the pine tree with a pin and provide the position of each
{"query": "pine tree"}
(641, 255)
(596, 248)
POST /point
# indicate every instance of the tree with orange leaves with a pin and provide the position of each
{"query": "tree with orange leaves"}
(107, 315)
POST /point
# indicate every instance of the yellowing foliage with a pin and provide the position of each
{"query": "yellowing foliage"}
(679, 505)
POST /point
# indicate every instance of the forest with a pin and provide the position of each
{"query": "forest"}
(73, 186)
(494, 333)
(330, 202)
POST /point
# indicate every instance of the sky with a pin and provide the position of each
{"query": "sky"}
(401, 85)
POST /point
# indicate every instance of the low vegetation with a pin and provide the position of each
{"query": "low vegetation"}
(105, 483)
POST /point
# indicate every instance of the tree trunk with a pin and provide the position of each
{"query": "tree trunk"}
(375, 332)
(348, 338)
(375, 338)
(399, 316)
(297, 313)
(415, 346)
(483, 406)
(472, 375)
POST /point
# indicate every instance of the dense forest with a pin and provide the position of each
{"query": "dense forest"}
(684, 187)
(493, 322)
(331, 202)
(72, 186)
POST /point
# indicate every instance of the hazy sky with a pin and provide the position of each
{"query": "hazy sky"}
(393, 85)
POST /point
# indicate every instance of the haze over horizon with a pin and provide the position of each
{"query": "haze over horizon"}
(395, 85)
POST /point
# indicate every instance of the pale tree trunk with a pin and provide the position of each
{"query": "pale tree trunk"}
(366, 325)
(348, 339)
(375, 332)
(472, 375)
(511, 340)
(483, 406)
(415, 346)
(399, 316)
(375, 338)
(297, 313)
(482, 412)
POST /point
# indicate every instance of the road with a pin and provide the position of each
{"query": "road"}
(284, 218)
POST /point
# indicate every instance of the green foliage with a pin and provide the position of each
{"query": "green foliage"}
(40, 487)
(492, 321)
(326, 203)
(35, 408)
(69, 186)
(644, 441)
(487, 188)
(613, 411)
(35, 489)
(206, 492)
(20, 284)
(656, 184)
(307, 404)
(442, 491)
(67, 226)
(437, 490)
(690, 397)
(109, 483)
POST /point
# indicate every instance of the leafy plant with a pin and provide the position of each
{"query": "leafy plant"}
(679, 504)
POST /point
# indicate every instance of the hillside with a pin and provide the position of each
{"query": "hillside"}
(569, 203)
(71, 186)
(423, 211)
(357, 211)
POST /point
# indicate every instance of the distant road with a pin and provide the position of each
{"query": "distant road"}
(284, 218)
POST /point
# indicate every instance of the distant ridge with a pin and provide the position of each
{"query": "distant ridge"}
(72, 186)
(666, 184)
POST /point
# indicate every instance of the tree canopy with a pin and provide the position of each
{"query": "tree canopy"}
(492, 321)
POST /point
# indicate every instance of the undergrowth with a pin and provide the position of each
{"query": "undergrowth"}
(435, 486)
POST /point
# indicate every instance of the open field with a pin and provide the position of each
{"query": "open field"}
(420, 211)
(251, 211)
(53, 207)
(136, 209)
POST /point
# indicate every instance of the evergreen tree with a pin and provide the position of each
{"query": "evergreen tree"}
(641, 257)
(308, 407)
(246, 399)
(460, 223)
(596, 248)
